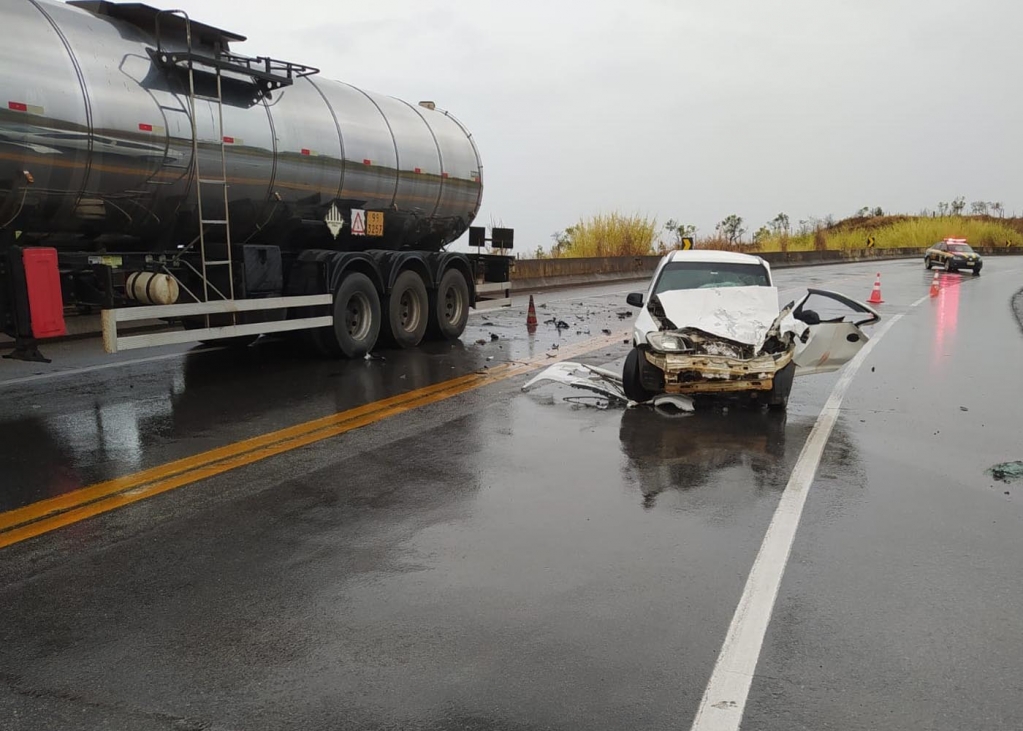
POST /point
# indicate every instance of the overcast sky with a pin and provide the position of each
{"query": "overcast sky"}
(684, 109)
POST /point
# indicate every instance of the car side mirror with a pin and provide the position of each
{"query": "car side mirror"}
(810, 317)
(635, 299)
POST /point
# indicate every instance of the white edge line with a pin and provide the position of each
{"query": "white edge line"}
(724, 700)
(103, 367)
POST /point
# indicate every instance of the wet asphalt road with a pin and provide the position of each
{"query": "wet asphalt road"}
(500, 560)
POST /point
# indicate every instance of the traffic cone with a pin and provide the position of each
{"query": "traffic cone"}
(531, 316)
(875, 295)
(935, 285)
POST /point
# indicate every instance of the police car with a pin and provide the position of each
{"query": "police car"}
(953, 255)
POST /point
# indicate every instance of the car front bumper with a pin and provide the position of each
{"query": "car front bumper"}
(707, 374)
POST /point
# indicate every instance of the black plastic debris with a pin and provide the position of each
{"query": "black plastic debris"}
(606, 331)
(623, 314)
(481, 341)
(494, 336)
(561, 325)
(963, 408)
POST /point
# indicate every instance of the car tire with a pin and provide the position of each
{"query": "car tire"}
(927, 262)
(778, 396)
(632, 383)
(949, 267)
(976, 270)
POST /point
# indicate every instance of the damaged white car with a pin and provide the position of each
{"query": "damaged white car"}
(709, 324)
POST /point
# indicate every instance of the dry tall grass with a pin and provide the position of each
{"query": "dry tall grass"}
(611, 234)
(898, 232)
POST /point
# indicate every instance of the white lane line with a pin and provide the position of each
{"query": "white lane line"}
(724, 700)
(100, 367)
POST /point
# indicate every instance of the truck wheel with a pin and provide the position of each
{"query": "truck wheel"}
(356, 318)
(449, 306)
(781, 387)
(408, 310)
(632, 384)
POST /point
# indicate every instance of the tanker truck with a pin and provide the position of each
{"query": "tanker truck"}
(150, 171)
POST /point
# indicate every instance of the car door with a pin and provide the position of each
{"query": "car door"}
(832, 335)
(942, 253)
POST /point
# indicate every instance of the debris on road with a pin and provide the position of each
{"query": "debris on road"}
(494, 336)
(606, 331)
(481, 341)
(623, 314)
(604, 382)
(1007, 471)
(561, 325)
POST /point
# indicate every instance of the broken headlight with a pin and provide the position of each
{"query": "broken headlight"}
(664, 342)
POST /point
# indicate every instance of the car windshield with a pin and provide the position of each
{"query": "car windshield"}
(960, 248)
(703, 274)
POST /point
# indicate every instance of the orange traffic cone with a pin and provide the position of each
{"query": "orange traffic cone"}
(875, 295)
(935, 285)
(531, 316)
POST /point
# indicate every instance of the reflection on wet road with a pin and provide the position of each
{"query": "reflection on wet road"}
(500, 560)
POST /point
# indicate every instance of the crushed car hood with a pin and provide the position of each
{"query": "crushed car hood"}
(741, 314)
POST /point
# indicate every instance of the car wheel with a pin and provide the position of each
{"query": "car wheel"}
(632, 384)
(949, 267)
(781, 387)
(976, 270)
(927, 262)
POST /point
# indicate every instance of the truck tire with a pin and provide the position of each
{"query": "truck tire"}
(356, 319)
(781, 387)
(449, 306)
(408, 307)
(632, 383)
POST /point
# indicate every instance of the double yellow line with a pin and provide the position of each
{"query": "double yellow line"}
(49, 515)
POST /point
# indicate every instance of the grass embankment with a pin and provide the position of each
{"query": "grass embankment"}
(616, 234)
(891, 232)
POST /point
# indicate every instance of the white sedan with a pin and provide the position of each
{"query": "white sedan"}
(709, 324)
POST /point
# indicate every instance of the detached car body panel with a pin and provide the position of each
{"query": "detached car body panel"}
(710, 324)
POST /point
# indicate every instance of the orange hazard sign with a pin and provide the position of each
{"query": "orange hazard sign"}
(375, 223)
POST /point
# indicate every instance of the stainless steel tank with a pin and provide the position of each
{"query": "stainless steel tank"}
(105, 135)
